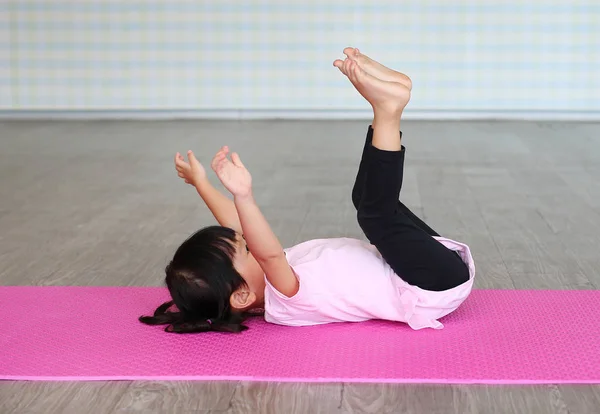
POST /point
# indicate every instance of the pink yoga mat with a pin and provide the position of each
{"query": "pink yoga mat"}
(497, 336)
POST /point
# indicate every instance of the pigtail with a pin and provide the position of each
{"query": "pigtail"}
(178, 323)
(232, 325)
(161, 315)
(190, 327)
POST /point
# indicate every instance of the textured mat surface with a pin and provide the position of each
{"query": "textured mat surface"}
(497, 336)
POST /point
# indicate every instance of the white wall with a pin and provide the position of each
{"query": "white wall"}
(466, 57)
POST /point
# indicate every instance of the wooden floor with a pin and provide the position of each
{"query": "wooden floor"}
(98, 203)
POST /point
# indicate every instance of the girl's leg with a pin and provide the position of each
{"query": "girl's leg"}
(361, 177)
(412, 253)
(420, 223)
(384, 73)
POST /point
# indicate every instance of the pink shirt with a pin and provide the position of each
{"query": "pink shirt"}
(347, 280)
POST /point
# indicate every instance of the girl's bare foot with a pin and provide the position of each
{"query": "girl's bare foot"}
(377, 69)
(384, 96)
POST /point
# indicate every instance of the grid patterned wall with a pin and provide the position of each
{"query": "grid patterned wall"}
(476, 55)
(6, 97)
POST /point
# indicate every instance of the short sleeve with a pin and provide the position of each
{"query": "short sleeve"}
(271, 292)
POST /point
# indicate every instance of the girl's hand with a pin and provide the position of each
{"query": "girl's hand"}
(232, 173)
(193, 172)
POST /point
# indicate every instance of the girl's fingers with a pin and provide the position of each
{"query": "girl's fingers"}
(216, 160)
(180, 163)
(223, 161)
(220, 158)
(179, 160)
(191, 156)
(236, 160)
(223, 151)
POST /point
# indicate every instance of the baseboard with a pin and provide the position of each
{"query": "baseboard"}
(296, 115)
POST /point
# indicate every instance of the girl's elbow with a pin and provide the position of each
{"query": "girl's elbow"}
(268, 257)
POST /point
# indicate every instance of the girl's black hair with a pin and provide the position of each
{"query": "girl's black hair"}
(201, 278)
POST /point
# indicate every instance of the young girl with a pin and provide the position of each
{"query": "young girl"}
(408, 273)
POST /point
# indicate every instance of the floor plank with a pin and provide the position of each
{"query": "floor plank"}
(275, 398)
(390, 398)
(176, 397)
(60, 397)
(581, 398)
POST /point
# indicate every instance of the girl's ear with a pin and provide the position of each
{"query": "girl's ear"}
(242, 299)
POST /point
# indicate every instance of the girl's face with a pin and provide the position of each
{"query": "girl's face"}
(243, 258)
(247, 266)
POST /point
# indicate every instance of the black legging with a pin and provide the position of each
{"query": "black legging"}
(404, 240)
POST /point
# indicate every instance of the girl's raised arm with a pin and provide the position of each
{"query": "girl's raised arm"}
(220, 206)
(262, 242)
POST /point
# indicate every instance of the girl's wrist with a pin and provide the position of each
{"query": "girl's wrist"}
(244, 198)
(202, 184)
